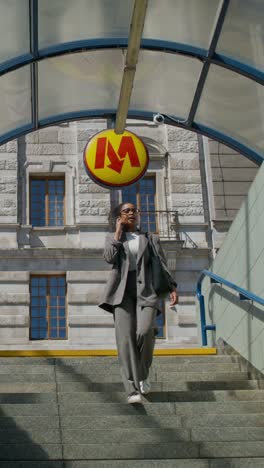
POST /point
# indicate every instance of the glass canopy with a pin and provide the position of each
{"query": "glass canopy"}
(200, 63)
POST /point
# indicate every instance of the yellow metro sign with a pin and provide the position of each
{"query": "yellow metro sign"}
(115, 160)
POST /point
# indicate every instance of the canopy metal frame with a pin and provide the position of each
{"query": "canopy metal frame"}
(133, 43)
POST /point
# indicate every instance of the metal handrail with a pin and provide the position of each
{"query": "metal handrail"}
(243, 295)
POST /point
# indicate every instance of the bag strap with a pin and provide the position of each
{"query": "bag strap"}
(152, 245)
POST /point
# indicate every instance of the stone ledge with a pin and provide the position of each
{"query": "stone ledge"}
(14, 276)
(14, 298)
(14, 321)
(91, 320)
(87, 276)
(92, 297)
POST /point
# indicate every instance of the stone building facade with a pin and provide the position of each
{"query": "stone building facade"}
(195, 193)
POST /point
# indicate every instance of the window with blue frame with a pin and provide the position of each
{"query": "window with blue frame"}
(47, 201)
(143, 195)
(48, 307)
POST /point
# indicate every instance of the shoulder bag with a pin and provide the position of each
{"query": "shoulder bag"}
(160, 277)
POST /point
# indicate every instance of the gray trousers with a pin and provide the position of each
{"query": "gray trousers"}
(135, 337)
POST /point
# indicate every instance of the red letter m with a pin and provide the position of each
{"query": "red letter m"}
(126, 147)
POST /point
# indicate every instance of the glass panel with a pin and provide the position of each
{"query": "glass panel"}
(184, 21)
(62, 333)
(165, 83)
(14, 28)
(56, 204)
(242, 36)
(233, 105)
(15, 98)
(66, 20)
(88, 80)
(38, 202)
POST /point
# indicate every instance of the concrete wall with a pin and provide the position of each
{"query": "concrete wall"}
(241, 261)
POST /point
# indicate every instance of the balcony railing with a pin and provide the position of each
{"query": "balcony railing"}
(166, 224)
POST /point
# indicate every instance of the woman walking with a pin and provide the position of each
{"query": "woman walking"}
(130, 296)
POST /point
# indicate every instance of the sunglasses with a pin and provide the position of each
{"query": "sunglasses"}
(130, 210)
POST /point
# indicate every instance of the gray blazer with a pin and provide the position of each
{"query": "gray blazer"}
(117, 254)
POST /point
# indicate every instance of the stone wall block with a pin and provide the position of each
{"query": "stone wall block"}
(103, 211)
(7, 188)
(196, 203)
(175, 133)
(11, 146)
(66, 135)
(89, 211)
(3, 148)
(8, 203)
(69, 148)
(190, 211)
(49, 135)
(183, 146)
(8, 211)
(191, 164)
(92, 203)
(84, 179)
(32, 137)
(85, 135)
(176, 163)
(91, 188)
(8, 163)
(43, 149)
(180, 203)
(186, 188)
(81, 145)
(7, 179)
(187, 177)
(11, 164)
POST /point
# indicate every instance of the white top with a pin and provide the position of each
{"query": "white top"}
(133, 243)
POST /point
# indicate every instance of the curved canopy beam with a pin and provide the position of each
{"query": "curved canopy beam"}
(200, 64)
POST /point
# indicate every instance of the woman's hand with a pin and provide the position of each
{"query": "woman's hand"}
(174, 298)
(119, 229)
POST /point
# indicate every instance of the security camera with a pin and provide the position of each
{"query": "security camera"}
(158, 119)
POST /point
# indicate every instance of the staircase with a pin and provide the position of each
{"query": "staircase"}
(203, 412)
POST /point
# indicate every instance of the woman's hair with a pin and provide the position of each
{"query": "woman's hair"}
(114, 214)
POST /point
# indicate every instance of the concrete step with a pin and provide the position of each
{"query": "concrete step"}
(38, 435)
(155, 377)
(114, 368)
(27, 370)
(151, 463)
(203, 412)
(113, 451)
(188, 396)
(115, 377)
(30, 451)
(28, 398)
(27, 423)
(184, 408)
(165, 450)
(123, 436)
(25, 387)
(37, 409)
(175, 385)
(109, 422)
(232, 434)
(158, 435)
